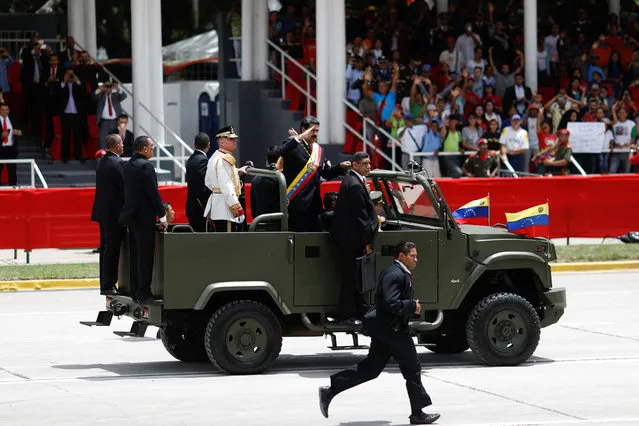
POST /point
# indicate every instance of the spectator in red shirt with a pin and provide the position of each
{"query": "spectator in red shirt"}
(613, 40)
(633, 157)
(591, 115)
(490, 96)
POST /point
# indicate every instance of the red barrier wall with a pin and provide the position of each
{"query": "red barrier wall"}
(593, 206)
(60, 218)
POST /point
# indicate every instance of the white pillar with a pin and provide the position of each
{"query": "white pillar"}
(139, 63)
(90, 42)
(247, 39)
(530, 43)
(338, 71)
(75, 20)
(323, 39)
(156, 73)
(614, 6)
(260, 34)
(442, 6)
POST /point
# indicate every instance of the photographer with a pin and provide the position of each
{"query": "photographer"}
(72, 114)
(108, 99)
(5, 63)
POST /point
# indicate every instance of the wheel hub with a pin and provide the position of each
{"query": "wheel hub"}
(246, 339)
(507, 331)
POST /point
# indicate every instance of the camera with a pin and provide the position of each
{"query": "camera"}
(108, 85)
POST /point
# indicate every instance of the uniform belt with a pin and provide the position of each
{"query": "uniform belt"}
(216, 191)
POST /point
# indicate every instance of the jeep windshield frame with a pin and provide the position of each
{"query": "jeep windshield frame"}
(442, 217)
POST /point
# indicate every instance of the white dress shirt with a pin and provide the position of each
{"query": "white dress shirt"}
(105, 111)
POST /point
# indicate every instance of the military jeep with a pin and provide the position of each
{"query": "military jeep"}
(229, 298)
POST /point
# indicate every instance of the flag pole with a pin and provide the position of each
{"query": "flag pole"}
(548, 203)
(489, 209)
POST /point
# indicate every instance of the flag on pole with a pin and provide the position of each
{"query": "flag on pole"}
(532, 222)
(473, 213)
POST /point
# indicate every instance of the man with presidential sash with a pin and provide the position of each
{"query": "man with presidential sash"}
(223, 209)
(302, 165)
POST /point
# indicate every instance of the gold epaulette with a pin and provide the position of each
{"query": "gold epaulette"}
(229, 159)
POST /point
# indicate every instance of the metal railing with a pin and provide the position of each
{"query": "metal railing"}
(35, 170)
(168, 156)
(285, 78)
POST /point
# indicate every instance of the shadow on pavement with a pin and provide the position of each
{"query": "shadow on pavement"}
(319, 365)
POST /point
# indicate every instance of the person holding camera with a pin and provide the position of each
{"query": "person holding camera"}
(6, 61)
(108, 98)
(72, 115)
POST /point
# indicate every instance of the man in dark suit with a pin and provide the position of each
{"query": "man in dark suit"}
(66, 55)
(32, 77)
(72, 115)
(265, 191)
(302, 153)
(390, 336)
(353, 231)
(517, 95)
(142, 205)
(8, 143)
(197, 194)
(125, 135)
(53, 75)
(107, 205)
(326, 218)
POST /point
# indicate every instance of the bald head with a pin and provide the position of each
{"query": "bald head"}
(114, 144)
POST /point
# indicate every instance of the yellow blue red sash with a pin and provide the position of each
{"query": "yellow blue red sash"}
(307, 172)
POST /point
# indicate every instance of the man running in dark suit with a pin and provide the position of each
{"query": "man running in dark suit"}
(353, 231)
(107, 205)
(197, 193)
(303, 167)
(142, 205)
(390, 336)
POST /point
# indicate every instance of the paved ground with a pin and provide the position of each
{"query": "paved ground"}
(54, 371)
(49, 256)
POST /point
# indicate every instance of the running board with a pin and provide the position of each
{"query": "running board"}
(138, 329)
(103, 320)
(327, 327)
(355, 346)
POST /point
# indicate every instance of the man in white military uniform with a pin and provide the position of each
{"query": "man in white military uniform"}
(223, 208)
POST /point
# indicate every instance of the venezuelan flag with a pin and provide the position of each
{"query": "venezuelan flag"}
(473, 213)
(532, 222)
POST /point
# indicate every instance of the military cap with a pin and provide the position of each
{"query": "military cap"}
(376, 197)
(226, 132)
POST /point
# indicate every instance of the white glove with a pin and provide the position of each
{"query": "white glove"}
(241, 218)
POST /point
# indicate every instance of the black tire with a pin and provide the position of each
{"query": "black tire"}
(185, 348)
(503, 329)
(449, 344)
(243, 337)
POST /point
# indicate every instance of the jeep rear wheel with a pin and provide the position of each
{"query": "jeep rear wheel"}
(503, 329)
(243, 337)
(185, 347)
(449, 344)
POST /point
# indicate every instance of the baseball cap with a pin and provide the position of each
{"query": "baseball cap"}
(515, 117)
(482, 141)
(427, 68)
(431, 107)
(533, 106)
(100, 153)
(564, 132)
(594, 86)
(408, 116)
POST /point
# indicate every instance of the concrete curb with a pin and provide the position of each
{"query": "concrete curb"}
(594, 266)
(49, 284)
(94, 283)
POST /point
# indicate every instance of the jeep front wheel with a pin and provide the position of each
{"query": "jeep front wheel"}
(503, 329)
(243, 337)
(184, 346)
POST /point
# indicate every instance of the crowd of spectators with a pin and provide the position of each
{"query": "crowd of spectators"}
(440, 83)
(57, 88)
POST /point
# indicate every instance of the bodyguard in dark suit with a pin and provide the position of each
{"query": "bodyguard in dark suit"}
(197, 194)
(142, 204)
(326, 218)
(265, 191)
(107, 205)
(390, 336)
(353, 231)
(302, 153)
(32, 77)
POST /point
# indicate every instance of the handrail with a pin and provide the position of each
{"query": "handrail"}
(282, 71)
(134, 101)
(35, 170)
(169, 156)
(372, 145)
